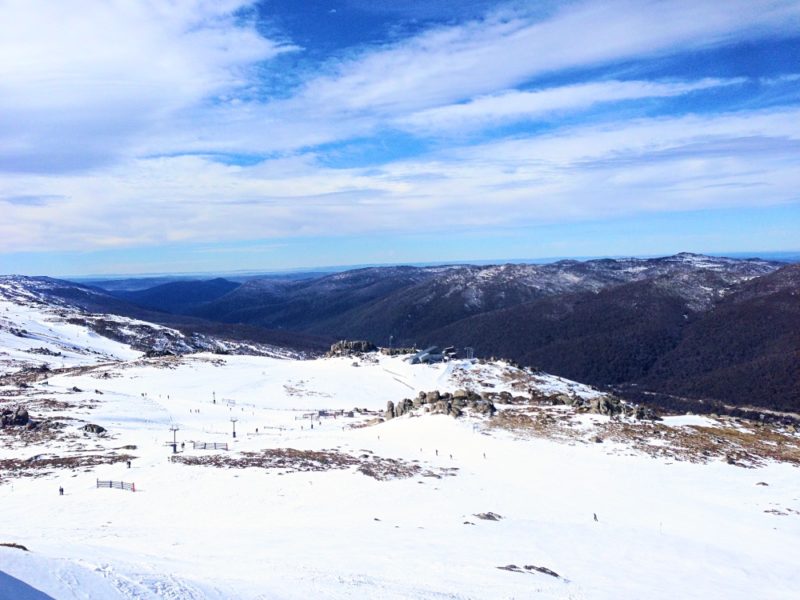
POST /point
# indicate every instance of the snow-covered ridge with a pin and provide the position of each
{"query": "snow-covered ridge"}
(33, 336)
(38, 328)
(700, 279)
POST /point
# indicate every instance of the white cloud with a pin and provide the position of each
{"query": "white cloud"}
(81, 79)
(514, 105)
(103, 102)
(669, 164)
(451, 64)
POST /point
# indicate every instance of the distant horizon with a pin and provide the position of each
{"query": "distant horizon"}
(789, 256)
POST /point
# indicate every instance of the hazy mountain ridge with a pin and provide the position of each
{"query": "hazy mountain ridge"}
(97, 309)
(179, 296)
(409, 302)
(689, 325)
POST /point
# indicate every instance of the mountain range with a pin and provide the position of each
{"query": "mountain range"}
(688, 331)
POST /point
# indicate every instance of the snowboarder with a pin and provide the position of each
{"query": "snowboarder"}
(595, 517)
(129, 464)
(60, 491)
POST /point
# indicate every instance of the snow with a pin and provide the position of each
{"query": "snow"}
(664, 529)
(694, 420)
(77, 345)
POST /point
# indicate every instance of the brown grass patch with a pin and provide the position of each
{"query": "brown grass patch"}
(293, 460)
(40, 465)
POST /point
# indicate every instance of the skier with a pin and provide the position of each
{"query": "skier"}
(60, 491)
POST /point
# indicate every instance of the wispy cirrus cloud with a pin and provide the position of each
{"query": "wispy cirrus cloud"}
(506, 49)
(518, 105)
(602, 171)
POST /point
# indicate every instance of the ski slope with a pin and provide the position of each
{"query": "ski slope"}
(664, 528)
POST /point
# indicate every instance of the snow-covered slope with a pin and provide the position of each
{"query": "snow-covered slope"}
(39, 330)
(318, 496)
(32, 336)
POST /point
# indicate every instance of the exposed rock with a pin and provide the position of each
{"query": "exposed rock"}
(92, 428)
(489, 516)
(351, 347)
(483, 407)
(605, 406)
(398, 351)
(643, 413)
(529, 569)
(390, 410)
(14, 545)
(544, 570)
(401, 408)
(158, 352)
(18, 417)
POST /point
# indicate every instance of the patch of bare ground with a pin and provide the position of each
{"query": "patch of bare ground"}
(35, 374)
(46, 431)
(782, 512)
(13, 545)
(538, 422)
(41, 465)
(530, 569)
(738, 442)
(41, 403)
(742, 444)
(293, 460)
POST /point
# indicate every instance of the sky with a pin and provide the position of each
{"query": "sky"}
(226, 135)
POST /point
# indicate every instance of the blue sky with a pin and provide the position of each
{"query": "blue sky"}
(225, 135)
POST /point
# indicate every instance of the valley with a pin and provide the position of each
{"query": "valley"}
(323, 492)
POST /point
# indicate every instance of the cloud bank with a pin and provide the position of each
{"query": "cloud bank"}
(149, 123)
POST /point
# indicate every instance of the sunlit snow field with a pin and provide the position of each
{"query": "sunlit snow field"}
(664, 529)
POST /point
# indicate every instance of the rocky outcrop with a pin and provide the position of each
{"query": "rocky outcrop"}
(351, 348)
(16, 417)
(610, 406)
(435, 402)
(398, 351)
(92, 428)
